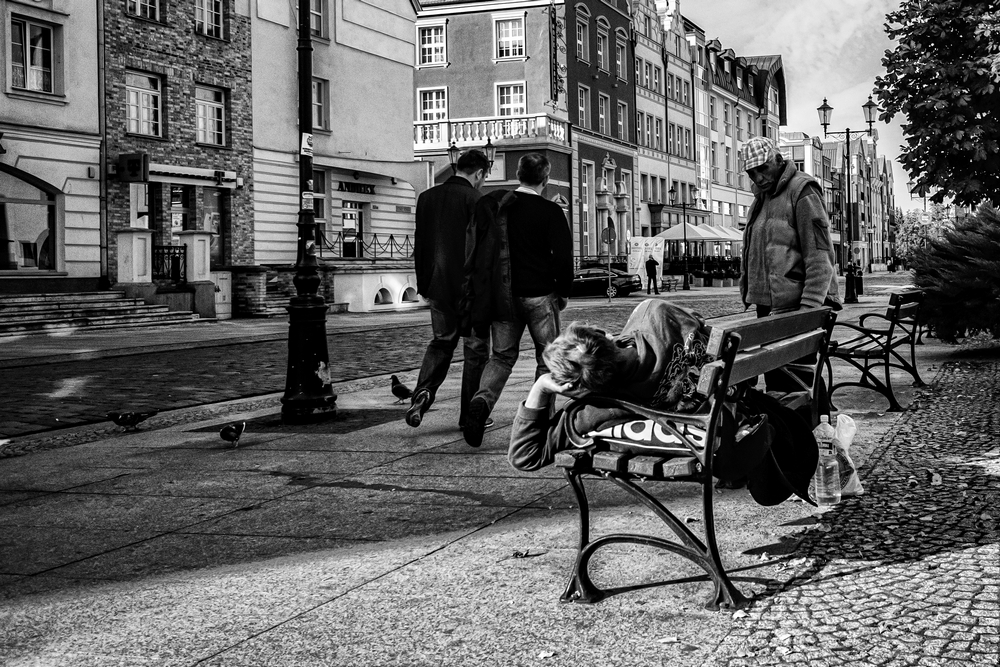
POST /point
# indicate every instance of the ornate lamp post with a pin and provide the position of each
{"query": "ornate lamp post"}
(307, 386)
(825, 112)
(673, 202)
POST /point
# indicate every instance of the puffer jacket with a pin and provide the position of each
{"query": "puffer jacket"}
(788, 256)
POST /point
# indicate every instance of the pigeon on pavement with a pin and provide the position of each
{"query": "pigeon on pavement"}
(232, 432)
(130, 419)
(400, 390)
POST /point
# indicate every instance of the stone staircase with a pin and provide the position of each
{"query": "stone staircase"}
(45, 313)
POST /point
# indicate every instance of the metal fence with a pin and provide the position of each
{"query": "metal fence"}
(170, 263)
(369, 246)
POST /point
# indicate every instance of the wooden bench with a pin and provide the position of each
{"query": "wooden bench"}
(870, 348)
(742, 351)
(669, 284)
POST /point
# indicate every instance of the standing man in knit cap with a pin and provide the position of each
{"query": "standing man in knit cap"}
(788, 257)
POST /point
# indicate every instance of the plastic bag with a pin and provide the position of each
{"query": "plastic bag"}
(850, 484)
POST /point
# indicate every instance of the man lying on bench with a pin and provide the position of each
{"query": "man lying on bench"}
(654, 361)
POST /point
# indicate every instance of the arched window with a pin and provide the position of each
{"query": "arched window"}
(27, 221)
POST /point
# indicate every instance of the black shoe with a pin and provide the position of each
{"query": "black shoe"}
(732, 484)
(475, 422)
(415, 413)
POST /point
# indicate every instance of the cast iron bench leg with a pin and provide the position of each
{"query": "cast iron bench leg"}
(582, 589)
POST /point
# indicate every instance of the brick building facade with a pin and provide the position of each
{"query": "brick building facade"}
(177, 88)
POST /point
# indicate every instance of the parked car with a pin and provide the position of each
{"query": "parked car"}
(594, 282)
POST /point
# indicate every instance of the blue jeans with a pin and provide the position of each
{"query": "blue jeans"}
(444, 325)
(540, 314)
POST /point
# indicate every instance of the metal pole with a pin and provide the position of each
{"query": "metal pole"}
(684, 212)
(307, 387)
(850, 293)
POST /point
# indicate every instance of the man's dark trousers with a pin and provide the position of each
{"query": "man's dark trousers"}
(445, 318)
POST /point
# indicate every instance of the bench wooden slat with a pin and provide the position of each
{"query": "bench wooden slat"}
(769, 357)
(764, 329)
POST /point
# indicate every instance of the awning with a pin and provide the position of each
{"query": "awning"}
(695, 233)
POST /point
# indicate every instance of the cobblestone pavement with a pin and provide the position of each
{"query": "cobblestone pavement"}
(47, 397)
(895, 577)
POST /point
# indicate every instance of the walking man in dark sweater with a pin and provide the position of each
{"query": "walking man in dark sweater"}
(518, 275)
(444, 218)
(651, 277)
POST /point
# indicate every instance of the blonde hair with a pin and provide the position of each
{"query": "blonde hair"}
(582, 356)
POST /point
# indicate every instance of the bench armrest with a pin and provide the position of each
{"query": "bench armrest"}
(876, 335)
(861, 320)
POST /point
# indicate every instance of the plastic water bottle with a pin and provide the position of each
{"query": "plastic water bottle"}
(827, 477)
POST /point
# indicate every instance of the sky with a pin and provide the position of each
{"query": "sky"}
(829, 48)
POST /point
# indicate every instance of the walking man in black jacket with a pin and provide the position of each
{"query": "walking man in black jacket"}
(520, 275)
(444, 215)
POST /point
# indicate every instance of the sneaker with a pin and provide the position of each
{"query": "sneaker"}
(475, 422)
(415, 413)
(489, 423)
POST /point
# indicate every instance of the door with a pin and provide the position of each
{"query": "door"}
(353, 229)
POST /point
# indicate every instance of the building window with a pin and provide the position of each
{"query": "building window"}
(656, 79)
(583, 41)
(671, 138)
(208, 17)
(433, 108)
(583, 107)
(644, 187)
(143, 103)
(715, 162)
(319, 197)
(687, 93)
(649, 131)
(739, 126)
(687, 144)
(622, 115)
(620, 69)
(711, 113)
(729, 165)
(646, 74)
(659, 134)
(638, 71)
(432, 46)
(31, 56)
(602, 51)
(509, 38)
(511, 100)
(603, 110)
(147, 9)
(670, 86)
(725, 119)
(320, 105)
(210, 107)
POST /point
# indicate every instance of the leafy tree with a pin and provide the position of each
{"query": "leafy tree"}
(944, 77)
(959, 272)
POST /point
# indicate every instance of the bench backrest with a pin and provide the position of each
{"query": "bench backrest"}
(904, 306)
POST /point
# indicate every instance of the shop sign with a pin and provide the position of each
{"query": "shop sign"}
(357, 188)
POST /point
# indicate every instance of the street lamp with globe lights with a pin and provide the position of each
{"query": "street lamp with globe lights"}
(693, 190)
(825, 111)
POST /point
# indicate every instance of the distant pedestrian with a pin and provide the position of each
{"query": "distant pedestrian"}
(519, 275)
(651, 277)
(443, 220)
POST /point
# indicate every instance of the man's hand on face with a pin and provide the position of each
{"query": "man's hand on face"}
(543, 389)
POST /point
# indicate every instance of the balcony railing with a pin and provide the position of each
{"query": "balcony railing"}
(369, 246)
(170, 263)
(438, 134)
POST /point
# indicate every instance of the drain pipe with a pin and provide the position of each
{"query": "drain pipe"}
(105, 280)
